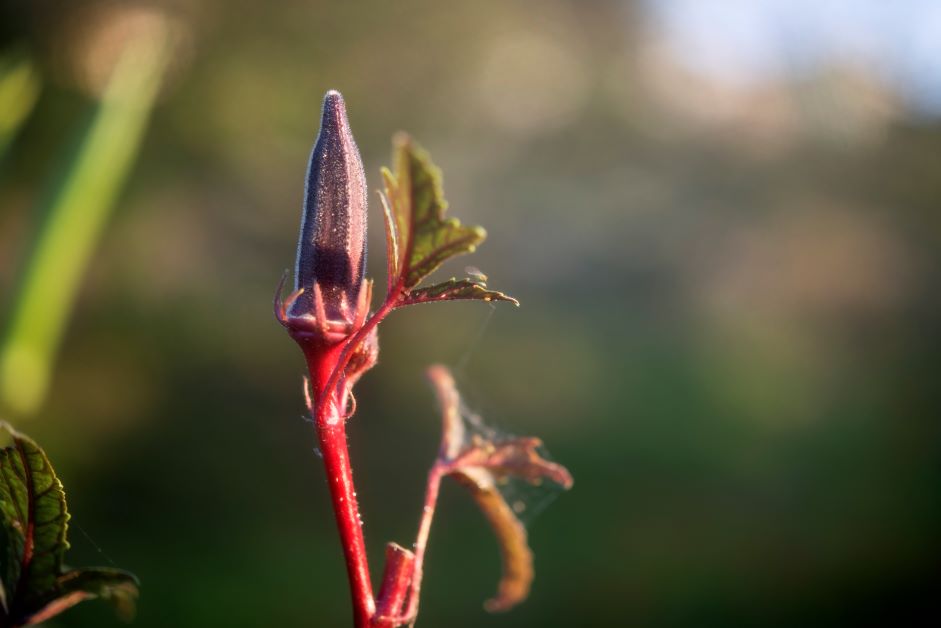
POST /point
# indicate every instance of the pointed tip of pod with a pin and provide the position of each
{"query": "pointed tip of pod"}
(333, 119)
(333, 106)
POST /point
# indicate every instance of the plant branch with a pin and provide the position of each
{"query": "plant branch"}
(329, 321)
(439, 470)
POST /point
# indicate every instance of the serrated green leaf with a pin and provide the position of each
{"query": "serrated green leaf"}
(455, 289)
(34, 526)
(422, 235)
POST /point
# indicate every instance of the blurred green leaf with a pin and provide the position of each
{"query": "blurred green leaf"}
(19, 89)
(36, 585)
(76, 214)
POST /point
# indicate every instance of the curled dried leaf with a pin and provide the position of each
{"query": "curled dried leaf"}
(449, 400)
(481, 464)
(515, 555)
(518, 457)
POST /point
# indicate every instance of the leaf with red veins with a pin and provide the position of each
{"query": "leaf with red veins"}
(32, 503)
(34, 517)
(482, 464)
(419, 238)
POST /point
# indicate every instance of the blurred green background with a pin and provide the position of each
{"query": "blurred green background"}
(722, 221)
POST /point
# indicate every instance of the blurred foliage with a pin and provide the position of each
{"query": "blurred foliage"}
(75, 212)
(19, 88)
(729, 331)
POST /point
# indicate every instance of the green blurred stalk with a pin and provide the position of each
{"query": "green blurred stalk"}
(76, 213)
(19, 89)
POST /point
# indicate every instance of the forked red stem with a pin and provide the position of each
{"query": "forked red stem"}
(398, 601)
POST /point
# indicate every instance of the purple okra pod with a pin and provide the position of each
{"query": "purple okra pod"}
(331, 251)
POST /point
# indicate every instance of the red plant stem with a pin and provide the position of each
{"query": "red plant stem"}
(336, 460)
(331, 434)
(327, 366)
